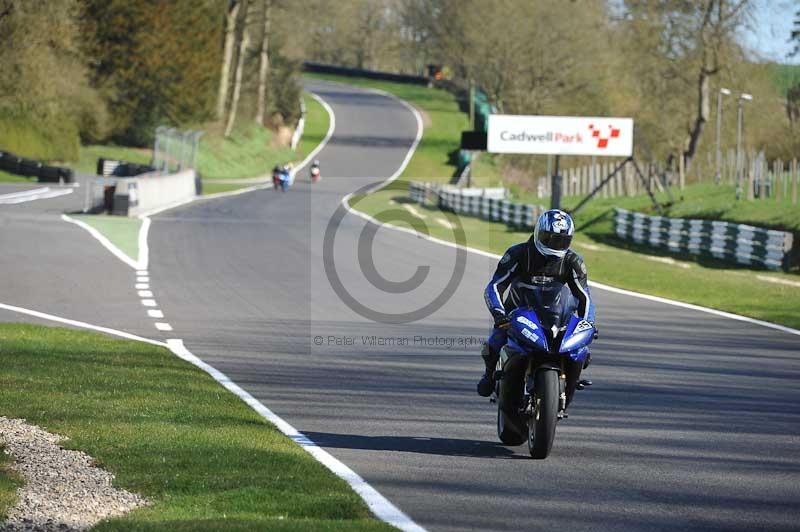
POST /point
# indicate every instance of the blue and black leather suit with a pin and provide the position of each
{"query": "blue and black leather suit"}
(521, 268)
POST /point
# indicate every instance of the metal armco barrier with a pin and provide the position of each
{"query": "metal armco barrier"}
(488, 204)
(739, 243)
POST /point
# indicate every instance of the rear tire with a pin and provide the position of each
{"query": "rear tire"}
(542, 426)
(506, 431)
(510, 428)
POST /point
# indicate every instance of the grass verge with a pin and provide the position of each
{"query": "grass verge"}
(249, 152)
(122, 231)
(5, 177)
(168, 431)
(709, 284)
(215, 187)
(9, 482)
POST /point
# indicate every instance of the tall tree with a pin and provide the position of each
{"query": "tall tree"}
(227, 56)
(46, 112)
(795, 35)
(672, 51)
(157, 62)
(263, 69)
(244, 46)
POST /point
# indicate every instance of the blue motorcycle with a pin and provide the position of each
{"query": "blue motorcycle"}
(536, 373)
(282, 178)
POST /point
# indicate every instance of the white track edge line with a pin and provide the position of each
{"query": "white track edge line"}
(377, 503)
(121, 255)
(80, 324)
(593, 284)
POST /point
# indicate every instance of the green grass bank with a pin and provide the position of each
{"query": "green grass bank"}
(168, 431)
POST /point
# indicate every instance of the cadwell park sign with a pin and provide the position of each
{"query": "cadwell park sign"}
(560, 135)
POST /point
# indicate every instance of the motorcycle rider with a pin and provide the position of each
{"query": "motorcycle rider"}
(543, 259)
(314, 172)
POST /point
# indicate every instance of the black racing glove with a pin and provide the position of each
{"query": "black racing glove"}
(502, 322)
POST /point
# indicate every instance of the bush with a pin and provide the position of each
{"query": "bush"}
(54, 140)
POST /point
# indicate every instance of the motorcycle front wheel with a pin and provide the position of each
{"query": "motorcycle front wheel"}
(542, 424)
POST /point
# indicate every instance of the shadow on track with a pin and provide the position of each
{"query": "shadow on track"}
(414, 444)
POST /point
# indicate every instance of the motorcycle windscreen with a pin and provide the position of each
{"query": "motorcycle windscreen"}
(552, 301)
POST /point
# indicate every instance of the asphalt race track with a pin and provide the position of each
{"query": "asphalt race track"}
(693, 421)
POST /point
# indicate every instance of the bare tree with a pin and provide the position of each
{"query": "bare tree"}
(719, 19)
(263, 69)
(227, 56)
(244, 45)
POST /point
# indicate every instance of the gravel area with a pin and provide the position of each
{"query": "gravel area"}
(63, 490)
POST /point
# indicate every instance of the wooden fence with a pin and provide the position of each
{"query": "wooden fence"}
(761, 179)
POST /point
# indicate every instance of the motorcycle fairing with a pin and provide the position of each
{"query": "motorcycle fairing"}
(526, 330)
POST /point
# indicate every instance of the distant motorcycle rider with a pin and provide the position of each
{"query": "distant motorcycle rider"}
(314, 171)
(543, 259)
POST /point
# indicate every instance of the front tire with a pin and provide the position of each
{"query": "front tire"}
(542, 426)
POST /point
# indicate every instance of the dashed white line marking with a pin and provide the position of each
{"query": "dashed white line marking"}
(145, 293)
(81, 324)
(161, 326)
(149, 302)
(155, 313)
(142, 286)
(380, 505)
(142, 272)
(143, 279)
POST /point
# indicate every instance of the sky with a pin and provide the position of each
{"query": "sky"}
(771, 26)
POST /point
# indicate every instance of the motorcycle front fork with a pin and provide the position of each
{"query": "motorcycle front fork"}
(529, 407)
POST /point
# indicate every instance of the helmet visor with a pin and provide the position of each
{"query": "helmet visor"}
(555, 241)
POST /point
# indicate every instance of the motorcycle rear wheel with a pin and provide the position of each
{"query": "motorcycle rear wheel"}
(510, 428)
(542, 425)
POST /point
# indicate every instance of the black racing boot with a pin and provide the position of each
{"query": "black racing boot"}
(486, 384)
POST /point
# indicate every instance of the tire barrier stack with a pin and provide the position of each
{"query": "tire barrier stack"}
(727, 241)
(111, 167)
(31, 168)
(485, 203)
